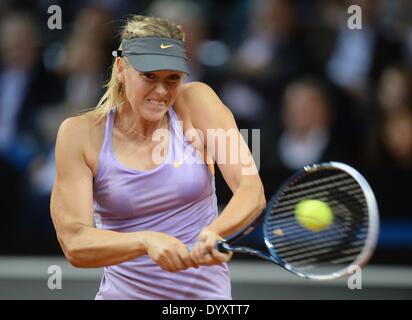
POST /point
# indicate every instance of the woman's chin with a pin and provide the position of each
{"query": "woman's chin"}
(155, 115)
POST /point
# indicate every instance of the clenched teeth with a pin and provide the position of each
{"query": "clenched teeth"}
(159, 103)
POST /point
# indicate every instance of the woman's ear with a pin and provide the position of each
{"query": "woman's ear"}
(120, 69)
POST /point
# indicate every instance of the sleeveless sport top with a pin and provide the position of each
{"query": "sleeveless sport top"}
(177, 198)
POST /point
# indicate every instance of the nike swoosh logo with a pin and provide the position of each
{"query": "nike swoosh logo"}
(177, 164)
(163, 46)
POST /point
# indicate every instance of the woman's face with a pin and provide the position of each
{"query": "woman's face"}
(397, 135)
(150, 94)
(305, 109)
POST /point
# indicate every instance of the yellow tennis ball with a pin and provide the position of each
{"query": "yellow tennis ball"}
(314, 215)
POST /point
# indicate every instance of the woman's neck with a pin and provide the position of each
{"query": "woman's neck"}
(135, 126)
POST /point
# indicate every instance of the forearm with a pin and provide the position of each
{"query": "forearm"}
(93, 248)
(245, 205)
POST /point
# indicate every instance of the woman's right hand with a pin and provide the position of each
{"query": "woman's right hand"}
(168, 252)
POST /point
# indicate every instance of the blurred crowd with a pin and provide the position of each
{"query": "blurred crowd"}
(316, 89)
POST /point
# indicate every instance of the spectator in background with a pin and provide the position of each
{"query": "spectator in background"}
(82, 69)
(395, 88)
(307, 119)
(389, 166)
(96, 20)
(307, 135)
(271, 39)
(395, 101)
(272, 53)
(360, 55)
(388, 149)
(25, 88)
(397, 138)
(394, 93)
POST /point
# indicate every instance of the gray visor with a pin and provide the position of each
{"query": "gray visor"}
(154, 54)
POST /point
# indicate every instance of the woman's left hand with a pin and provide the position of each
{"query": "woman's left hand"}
(204, 251)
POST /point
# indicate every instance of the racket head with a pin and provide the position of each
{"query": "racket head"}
(349, 240)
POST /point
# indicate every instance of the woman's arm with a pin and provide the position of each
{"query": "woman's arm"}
(232, 155)
(72, 214)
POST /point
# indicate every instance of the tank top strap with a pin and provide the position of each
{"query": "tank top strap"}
(175, 123)
(179, 137)
(177, 128)
(172, 113)
(108, 131)
(104, 155)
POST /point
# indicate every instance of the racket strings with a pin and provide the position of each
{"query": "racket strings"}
(319, 184)
(340, 243)
(334, 246)
(311, 243)
(285, 213)
(318, 191)
(287, 219)
(289, 204)
(314, 248)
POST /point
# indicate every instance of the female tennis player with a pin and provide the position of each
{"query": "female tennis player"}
(151, 223)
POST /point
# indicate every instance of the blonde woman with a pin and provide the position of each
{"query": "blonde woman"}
(151, 223)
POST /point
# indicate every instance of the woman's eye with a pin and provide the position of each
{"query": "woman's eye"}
(175, 78)
(150, 76)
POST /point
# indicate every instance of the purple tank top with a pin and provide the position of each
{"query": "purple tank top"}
(175, 198)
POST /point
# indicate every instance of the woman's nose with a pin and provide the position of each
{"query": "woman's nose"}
(161, 89)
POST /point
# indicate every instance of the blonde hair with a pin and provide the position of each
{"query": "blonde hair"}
(137, 26)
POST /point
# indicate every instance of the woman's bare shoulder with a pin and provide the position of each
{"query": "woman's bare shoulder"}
(198, 102)
(190, 96)
(193, 89)
(83, 133)
(81, 127)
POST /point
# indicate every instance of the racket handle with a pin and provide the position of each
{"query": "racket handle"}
(220, 245)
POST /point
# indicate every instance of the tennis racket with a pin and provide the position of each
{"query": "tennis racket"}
(349, 239)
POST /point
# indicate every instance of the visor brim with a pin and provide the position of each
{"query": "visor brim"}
(152, 63)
